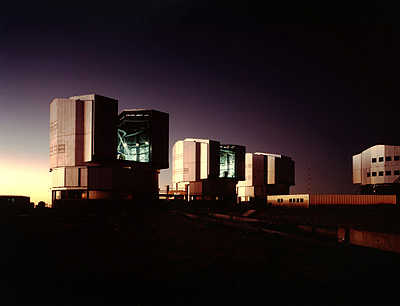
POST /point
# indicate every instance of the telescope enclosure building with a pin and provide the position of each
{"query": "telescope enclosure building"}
(88, 160)
(266, 174)
(207, 169)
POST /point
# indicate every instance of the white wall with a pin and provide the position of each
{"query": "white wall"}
(362, 165)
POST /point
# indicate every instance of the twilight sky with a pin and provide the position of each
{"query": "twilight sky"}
(316, 83)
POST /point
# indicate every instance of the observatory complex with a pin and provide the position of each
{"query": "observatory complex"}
(96, 154)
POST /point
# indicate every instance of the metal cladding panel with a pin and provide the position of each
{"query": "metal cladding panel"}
(240, 152)
(62, 133)
(53, 141)
(189, 161)
(87, 130)
(365, 167)
(105, 112)
(58, 177)
(72, 177)
(204, 160)
(198, 161)
(100, 178)
(136, 180)
(67, 123)
(292, 172)
(351, 199)
(79, 132)
(271, 170)
(173, 174)
(392, 165)
(196, 188)
(177, 162)
(245, 191)
(284, 170)
(159, 139)
(376, 152)
(214, 159)
(259, 191)
(249, 169)
(357, 169)
(259, 174)
(66, 133)
(83, 177)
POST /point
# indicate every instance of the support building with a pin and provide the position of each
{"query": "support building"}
(376, 170)
(97, 155)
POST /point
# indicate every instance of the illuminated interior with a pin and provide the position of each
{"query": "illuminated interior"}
(227, 162)
(134, 141)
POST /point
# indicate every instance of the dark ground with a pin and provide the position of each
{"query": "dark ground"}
(155, 256)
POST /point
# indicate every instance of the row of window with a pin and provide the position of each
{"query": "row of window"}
(299, 200)
(296, 200)
(380, 173)
(387, 158)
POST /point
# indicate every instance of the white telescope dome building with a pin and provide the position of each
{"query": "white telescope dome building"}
(96, 154)
(266, 174)
(207, 169)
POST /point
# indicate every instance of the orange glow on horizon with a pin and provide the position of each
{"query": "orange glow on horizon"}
(21, 177)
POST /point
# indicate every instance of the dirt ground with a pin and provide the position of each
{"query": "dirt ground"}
(154, 256)
(379, 219)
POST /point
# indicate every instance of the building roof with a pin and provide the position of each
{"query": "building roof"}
(91, 97)
(267, 154)
(377, 145)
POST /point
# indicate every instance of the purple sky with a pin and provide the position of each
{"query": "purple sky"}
(316, 91)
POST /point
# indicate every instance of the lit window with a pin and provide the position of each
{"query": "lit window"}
(396, 157)
(374, 160)
(380, 173)
(388, 158)
(373, 173)
(368, 174)
(388, 173)
(396, 172)
(381, 159)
